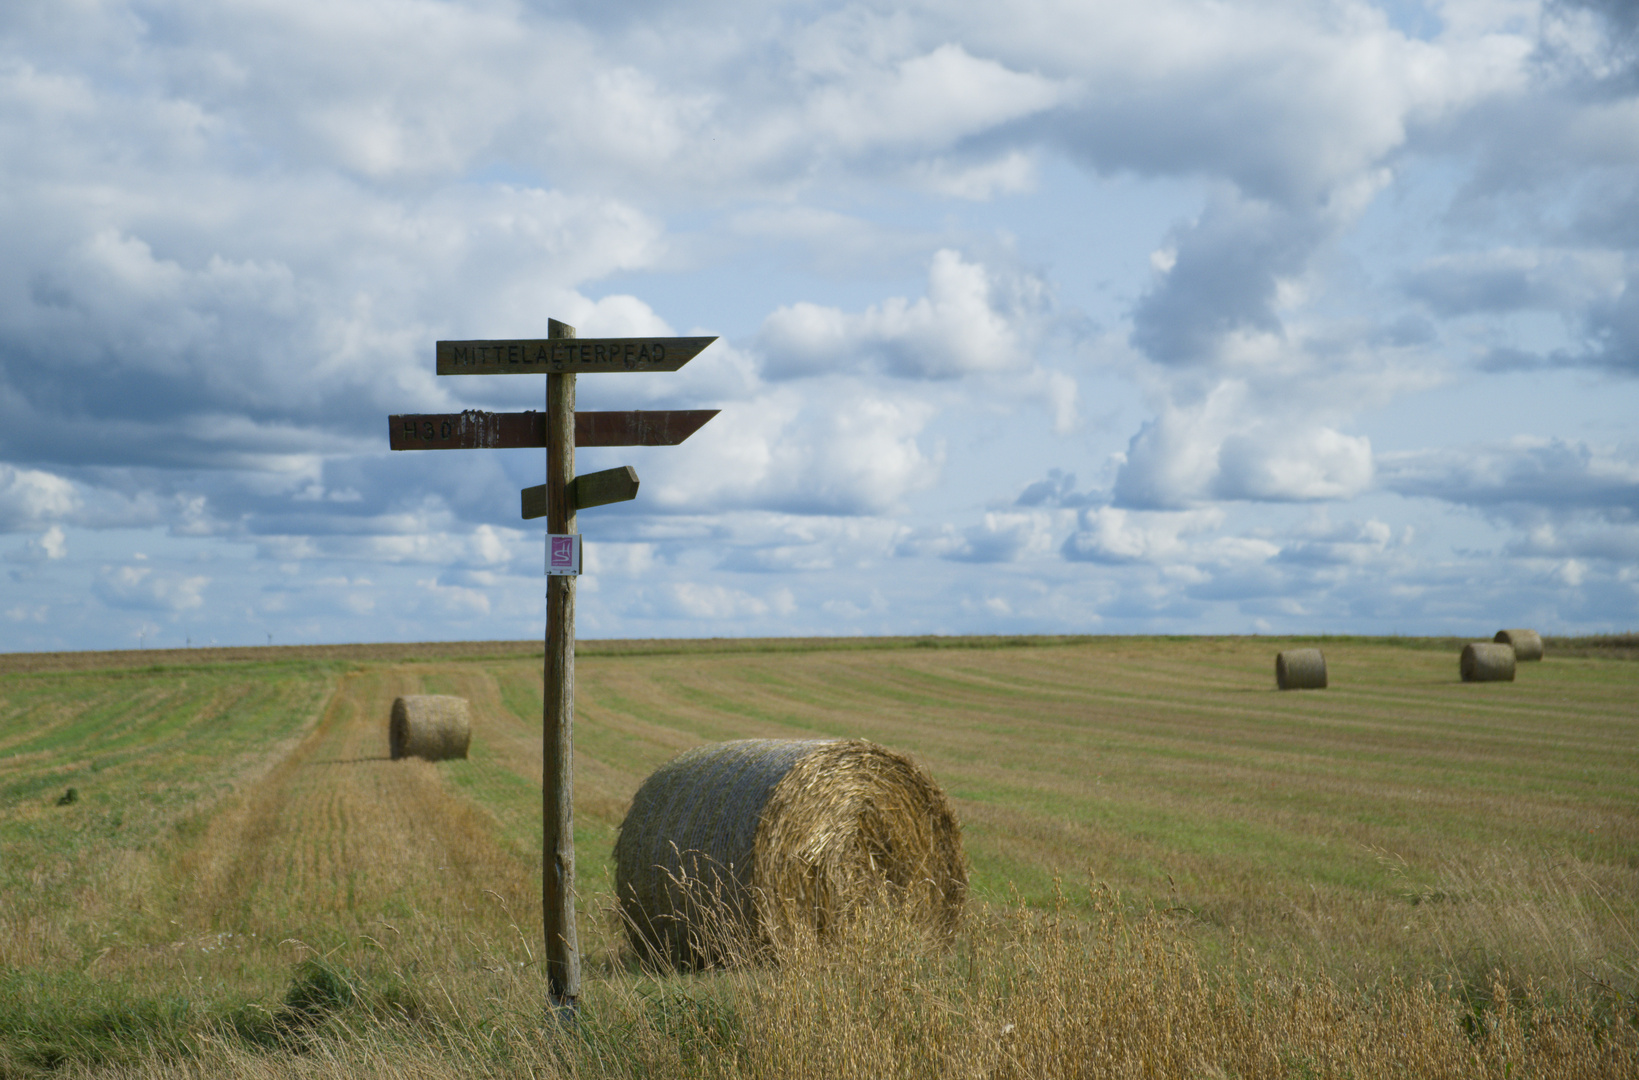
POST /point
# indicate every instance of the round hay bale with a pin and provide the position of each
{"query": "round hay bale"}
(1527, 643)
(432, 726)
(1300, 669)
(756, 843)
(1487, 661)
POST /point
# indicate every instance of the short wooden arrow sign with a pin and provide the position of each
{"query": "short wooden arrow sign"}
(568, 356)
(587, 491)
(476, 430)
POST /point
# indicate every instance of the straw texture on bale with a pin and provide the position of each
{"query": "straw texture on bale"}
(764, 842)
(431, 726)
(1487, 661)
(1300, 669)
(1527, 643)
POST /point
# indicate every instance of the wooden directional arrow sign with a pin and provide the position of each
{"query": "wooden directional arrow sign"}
(587, 491)
(568, 356)
(475, 430)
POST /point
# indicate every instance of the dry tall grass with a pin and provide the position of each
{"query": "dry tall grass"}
(1020, 994)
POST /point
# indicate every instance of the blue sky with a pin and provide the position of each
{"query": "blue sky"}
(1082, 316)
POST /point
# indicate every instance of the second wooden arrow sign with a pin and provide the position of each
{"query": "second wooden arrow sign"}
(475, 430)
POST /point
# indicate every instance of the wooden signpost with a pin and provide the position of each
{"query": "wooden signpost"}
(560, 356)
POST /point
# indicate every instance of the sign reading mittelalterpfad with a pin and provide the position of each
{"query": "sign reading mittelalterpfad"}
(567, 356)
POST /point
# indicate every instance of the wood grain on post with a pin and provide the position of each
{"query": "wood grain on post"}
(558, 705)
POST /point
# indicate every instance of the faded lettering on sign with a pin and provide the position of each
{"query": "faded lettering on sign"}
(567, 355)
(543, 353)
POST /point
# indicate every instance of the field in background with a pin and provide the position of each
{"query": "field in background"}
(238, 826)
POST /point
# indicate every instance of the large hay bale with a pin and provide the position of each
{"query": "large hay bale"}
(1487, 661)
(1527, 643)
(431, 726)
(1300, 669)
(765, 842)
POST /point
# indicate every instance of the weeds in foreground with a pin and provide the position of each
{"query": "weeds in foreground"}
(1016, 994)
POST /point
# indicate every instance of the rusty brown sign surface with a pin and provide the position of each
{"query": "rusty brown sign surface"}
(640, 427)
(476, 430)
(567, 355)
(470, 430)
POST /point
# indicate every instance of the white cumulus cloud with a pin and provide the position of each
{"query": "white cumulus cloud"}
(143, 588)
(969, 321)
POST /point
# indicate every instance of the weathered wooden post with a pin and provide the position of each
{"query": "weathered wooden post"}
(560, 356)
(558, 701)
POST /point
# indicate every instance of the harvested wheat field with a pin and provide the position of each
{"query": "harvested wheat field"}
(1175, 869)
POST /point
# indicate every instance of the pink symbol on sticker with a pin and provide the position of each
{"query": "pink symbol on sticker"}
(563, 552)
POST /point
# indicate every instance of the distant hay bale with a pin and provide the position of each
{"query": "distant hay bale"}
(431, 726)
(1300, 669)
(764, 842)
(1487, 661)
(1527, 643)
